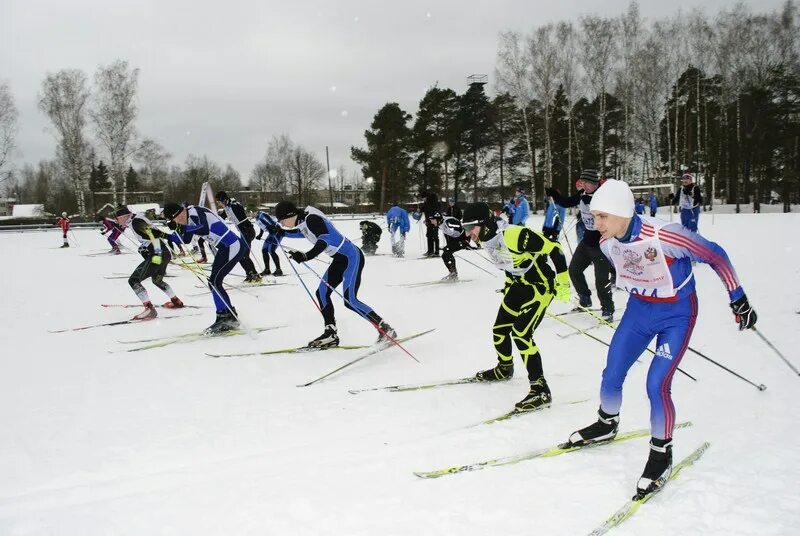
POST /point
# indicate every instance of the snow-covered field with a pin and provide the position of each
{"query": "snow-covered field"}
(170, 441)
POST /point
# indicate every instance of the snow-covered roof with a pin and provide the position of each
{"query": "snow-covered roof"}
(144, 207)
(28, 211)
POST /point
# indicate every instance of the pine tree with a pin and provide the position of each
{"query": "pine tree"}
(386, 157)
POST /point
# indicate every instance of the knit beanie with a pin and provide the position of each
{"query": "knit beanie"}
(589, 175)
(613, 197)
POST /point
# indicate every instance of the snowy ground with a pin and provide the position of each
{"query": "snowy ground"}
(169, 441)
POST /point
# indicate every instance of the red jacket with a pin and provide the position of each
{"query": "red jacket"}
(64, 224)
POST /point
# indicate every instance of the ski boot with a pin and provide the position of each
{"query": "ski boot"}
(226, 321)
(607, 316)
(278, 272)
(584, 302)
(148, 314)
(203, 260)
(328, 339)
(266, 272)
(605, 429)
(657, 470)
(538, 398)
(451, 277)
(65, 245)
(253, 278)
(502, 372)
(173, 303)
(387, 333)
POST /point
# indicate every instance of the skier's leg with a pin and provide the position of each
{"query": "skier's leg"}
(632, 336)
(671, 344)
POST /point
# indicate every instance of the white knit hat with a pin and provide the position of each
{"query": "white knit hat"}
(613, 197)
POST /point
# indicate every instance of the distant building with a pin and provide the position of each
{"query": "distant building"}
(7, 205)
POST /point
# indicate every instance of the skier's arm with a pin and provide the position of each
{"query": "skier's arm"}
(533, 242)
(317, 226)
(679, 242)
(698, 196)
(566, 202)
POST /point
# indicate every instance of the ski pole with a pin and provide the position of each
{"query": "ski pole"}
(213, 288)
(601, 341)
(772, 346)
(296, 273)
(760, 386)
(74, 238)
(362, 315)
(475, 265)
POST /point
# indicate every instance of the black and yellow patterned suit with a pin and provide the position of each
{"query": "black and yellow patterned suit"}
(530, 286)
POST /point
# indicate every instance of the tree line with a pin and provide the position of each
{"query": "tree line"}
(116, 159)
(717, 96)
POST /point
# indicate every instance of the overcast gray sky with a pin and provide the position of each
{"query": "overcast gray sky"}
(221, 78)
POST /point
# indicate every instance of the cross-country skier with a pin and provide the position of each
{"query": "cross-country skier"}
(452, 208)
(271, 242)
(63, 222)
(370, 235)
(201, 222)
(521, 208)
(238, 216)
(398, 224)
(154, 266)
(588, 250)
(456, 240)
(530, 286)
(689, 199)
(433, 217)
(346, 267)
(653, 203)
(654, 264)
(554, 217)
(111, 226)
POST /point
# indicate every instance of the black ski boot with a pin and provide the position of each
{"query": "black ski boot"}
(608, 316)
(386, 333)
(451, 277)
(502, 372)
(605, 429)
(278, 272)
(657, 470)
(226, 321)
(328, 339)
(538, 398)
(584, 302)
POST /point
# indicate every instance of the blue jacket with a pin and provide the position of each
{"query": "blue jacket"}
(653, 202)
(554, 216)
(639, 207)
(397, 217)
(521, 212)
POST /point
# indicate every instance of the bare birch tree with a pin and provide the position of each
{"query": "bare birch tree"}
(631, 33)
(114, 115)
(305, 173)
(154, 161)
(64, 99)
(545, 73)
(271, 174)
(512, 74)
(8, 127)
(598, 52)
(570, 78)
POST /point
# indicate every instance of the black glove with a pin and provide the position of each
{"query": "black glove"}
(298, 256)
(260, 235)
(745, 315)
(550, 191)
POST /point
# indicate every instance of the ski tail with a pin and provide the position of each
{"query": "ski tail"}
(633, 505)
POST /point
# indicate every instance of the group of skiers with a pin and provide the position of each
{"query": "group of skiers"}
(648, 258)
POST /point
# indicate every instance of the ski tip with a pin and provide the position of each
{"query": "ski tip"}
(762, 387)
(427, 475)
